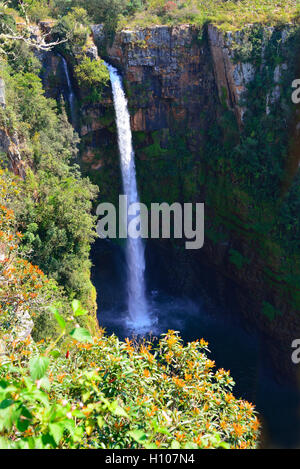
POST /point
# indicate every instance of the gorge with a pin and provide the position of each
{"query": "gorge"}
(174, 83)
(173, 80)
(181, 112)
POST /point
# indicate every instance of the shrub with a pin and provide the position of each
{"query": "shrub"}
(91, 73)
(103, 393)
(53, 208)
(24, 287)
(74, 26)
(92, 77)
(228, 14)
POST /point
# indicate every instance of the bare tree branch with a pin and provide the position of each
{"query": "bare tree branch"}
(24, 11)
(39, 43)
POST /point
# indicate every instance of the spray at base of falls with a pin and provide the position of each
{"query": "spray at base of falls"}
(135, 250)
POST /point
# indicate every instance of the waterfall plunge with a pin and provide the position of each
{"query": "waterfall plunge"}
(71, 95)
(135, 256)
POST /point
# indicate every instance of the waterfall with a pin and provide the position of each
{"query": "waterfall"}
(135, 255)
(71, 95)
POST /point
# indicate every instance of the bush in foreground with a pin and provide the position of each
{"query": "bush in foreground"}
(103, 393)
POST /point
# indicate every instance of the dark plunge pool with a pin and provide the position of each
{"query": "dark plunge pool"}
(208, 314)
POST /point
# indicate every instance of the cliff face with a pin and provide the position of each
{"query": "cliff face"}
(231, 78)
(9, 144)
(206, 110)
(184, 67)
(168, 75)
(195, 96)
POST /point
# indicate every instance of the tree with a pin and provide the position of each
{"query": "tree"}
(28, 34)
(105, 11)
(92, 73)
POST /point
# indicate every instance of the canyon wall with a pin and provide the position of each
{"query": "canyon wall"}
(193, 95)
(212, 119)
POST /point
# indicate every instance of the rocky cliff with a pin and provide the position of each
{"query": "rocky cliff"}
(212, 120)
(197, 97)
(168, 74)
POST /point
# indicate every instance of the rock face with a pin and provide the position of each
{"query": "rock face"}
(187, 93)
(184, 84)
(167, 66)
(2, 93)
(10, 145)
(168, 75)
(54, 81)
(231, 78)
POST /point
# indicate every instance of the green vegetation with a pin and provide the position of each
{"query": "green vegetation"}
(91, 73)
(70, 387)
(98, 392)
(269, 311)
(53, 208)
(75, 26)
(237, 259)
(229, 15)
(92, 76)
(76, 390)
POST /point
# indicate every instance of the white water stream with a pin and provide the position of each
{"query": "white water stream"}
(135, 250)
(71, 95)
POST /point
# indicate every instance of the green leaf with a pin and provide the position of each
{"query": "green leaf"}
(100, 422)
(81, 312)
(138, 435)
(55, 353)
(81, 335)
(38, 367)
(60, 320)
(6, 403)
(70, 426)
(75, 305)
(119, 411)
(224, 445)
(175, 445)
(45, 383)
(86, 396)
(4, 443)
(24, 419)
(40, 396)
(8, 416)
(35, 443)
(56, 430)
(48, 441)
(190, 445)
(77, 310)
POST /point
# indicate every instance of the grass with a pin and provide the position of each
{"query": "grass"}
(228, 15)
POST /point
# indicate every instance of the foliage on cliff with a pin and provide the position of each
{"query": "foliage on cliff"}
(227, 14)
(53, 208)
(25, 290)
(265, 197)
(92, 76)
(133, 13)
